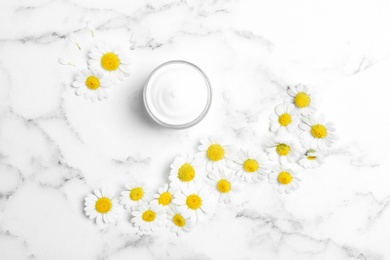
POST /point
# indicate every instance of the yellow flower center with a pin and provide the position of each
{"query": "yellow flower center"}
(319, 131)
(103, 205)
(149, 215)
(136, 193)
(283, 149)
(311, 158)
(110, 61)
(251, 165)
(179, 220)
(186, 172)
(165, 198)
(215, 152)
(92, 82)
(285, 119)
(302, 100)
(285, 178)
(224, 186)
(194, 202)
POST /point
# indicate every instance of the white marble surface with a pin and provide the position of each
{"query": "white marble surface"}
(55, 147)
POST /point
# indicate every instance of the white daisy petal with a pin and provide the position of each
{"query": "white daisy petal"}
(99, 93)
(105, 93)
(102, 48)
(91, 198)
(93, 98)
(77, 84)
(105, 219)
(279, 110)
(291, 92)
(94, 55)
(80, 91)
(98, 193)
(274, 128)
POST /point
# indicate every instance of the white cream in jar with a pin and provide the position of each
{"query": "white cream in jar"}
(177, 94)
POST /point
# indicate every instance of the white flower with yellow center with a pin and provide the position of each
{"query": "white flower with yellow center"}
(250, 166)
(102, 206)
(184, 171)
(109, 61)
(224, 183)
(302, 99)
(194, 200)
(148, 217)
(213, 153)
(179, 222)
(164, 196)
(317, 133)
(285, 120)
(134, 196)
(311, 159)
(284, 179)
(284, 149)
(91, 85)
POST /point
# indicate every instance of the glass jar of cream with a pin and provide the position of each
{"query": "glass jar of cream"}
(177, 94)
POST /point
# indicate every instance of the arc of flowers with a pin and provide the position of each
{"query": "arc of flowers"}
(218, 171)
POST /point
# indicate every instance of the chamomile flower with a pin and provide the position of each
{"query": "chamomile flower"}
(134, 196)
(284, 179)
(285, 120)
(184, 171)
(284, 149)
(179, 222)
(317, 133)
(311, 159)
(302, 99)
(250, 166)
(194, 200)
(213, 153)
(109, 61)
(102, 206)
(224, 183)
(148, 217)
(91, 85)
(164, 196)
